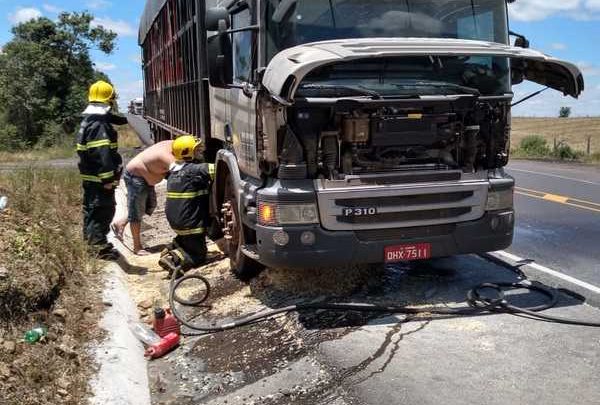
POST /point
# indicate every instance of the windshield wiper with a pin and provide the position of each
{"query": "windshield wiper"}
(447, 85)
(358, 90)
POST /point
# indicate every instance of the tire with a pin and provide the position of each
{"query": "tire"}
(241, 265)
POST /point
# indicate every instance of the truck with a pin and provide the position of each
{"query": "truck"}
(136, 106)
(346, 132)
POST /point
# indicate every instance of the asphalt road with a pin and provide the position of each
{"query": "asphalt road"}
(140, 125)
(558, 217)
(351, 359)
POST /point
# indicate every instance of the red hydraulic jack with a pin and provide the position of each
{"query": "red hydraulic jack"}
(166, 344)
(162, 338)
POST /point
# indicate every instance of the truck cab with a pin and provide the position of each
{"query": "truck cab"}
(350, 132)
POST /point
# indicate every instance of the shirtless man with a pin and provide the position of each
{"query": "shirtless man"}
(141, 175)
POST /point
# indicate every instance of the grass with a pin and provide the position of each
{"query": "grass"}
(570, 133)
(36, 155)
(128, 140)
(48, 269)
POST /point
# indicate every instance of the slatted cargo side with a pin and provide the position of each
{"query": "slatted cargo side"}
(173, 40)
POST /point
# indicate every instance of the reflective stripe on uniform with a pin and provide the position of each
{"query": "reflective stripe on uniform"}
(211, 171)
(114, 145)
(93, 179)
(187, 232)
(96, 144)
(179, 254)
(185, 196)
(106, 175)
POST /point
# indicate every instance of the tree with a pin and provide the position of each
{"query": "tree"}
(565, 112)
(45, 71)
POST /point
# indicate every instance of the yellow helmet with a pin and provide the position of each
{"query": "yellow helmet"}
(185, 146)
(101, 92)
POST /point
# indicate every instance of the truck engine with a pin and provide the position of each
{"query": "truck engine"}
(348, 139)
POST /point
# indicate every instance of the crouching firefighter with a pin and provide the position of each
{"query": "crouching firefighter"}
(187, 207)
(100, 166)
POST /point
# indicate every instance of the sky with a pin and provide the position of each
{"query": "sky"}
(566, 29)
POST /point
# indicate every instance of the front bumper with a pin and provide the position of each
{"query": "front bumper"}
(494, 231)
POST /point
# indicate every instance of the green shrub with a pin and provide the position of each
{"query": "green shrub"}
(534, 145)
(564, 152)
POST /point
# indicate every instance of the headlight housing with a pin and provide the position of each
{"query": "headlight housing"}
(271, 214)
(500, 199)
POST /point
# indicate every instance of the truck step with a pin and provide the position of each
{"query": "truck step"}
(251, 251)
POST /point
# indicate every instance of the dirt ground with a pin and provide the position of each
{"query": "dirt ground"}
(573, 131)
(46, 278)
(210, 365)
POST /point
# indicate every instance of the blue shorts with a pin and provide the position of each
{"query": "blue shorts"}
(141, 197)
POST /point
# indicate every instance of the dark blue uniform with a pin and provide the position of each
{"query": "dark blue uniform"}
(187, 211)
(99, 164)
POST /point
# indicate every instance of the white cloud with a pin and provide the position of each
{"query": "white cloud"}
(52, 8)
(136, 58)
(25, 14)
(559, 46)
(121, 27)
(588, 69)
(535, 10)
(593, 4)
(128, 90)
(98, 4)
(105, 67)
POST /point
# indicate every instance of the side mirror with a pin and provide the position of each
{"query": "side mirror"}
(220, 59)
(517, 71)
(520, 41)
(214, 15)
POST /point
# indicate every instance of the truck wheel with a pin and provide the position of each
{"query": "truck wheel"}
(242, 266)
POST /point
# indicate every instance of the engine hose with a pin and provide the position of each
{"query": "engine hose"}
(478, 302)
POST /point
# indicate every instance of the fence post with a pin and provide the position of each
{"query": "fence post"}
(589, 145)
(555, 144)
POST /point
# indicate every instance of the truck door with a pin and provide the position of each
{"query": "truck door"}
(243, 102)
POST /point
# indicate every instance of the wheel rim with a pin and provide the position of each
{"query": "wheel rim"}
(231, 223)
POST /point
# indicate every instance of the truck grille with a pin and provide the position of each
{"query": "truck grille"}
(400, 206)
(387, 217)
(405, 200)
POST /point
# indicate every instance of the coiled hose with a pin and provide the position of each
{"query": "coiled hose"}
(478, 304)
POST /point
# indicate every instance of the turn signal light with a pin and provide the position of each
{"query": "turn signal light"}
(267, 214)
(287, 214)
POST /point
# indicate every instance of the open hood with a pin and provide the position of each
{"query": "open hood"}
(289, 67)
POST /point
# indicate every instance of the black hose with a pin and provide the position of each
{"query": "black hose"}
(478, 302)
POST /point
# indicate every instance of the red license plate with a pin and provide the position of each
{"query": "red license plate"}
(403, 253)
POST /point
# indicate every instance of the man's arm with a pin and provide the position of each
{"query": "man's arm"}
(117, 119)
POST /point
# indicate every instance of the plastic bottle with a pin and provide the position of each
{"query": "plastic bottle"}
(165, 323)
(144, 333)
(34, 335)
(3, 202)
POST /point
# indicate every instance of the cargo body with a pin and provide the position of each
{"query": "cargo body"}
(346, 132)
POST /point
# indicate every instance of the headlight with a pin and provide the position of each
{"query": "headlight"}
(500, 199)
(287, 214)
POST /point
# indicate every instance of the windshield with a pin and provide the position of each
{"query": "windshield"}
(295, 22)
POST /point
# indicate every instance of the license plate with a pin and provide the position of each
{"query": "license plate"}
(403, 253)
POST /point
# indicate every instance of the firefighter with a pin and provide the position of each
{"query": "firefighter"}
(187, 207)
(100, 166)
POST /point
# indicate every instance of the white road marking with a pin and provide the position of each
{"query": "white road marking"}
(551, 272)
(554, 175)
